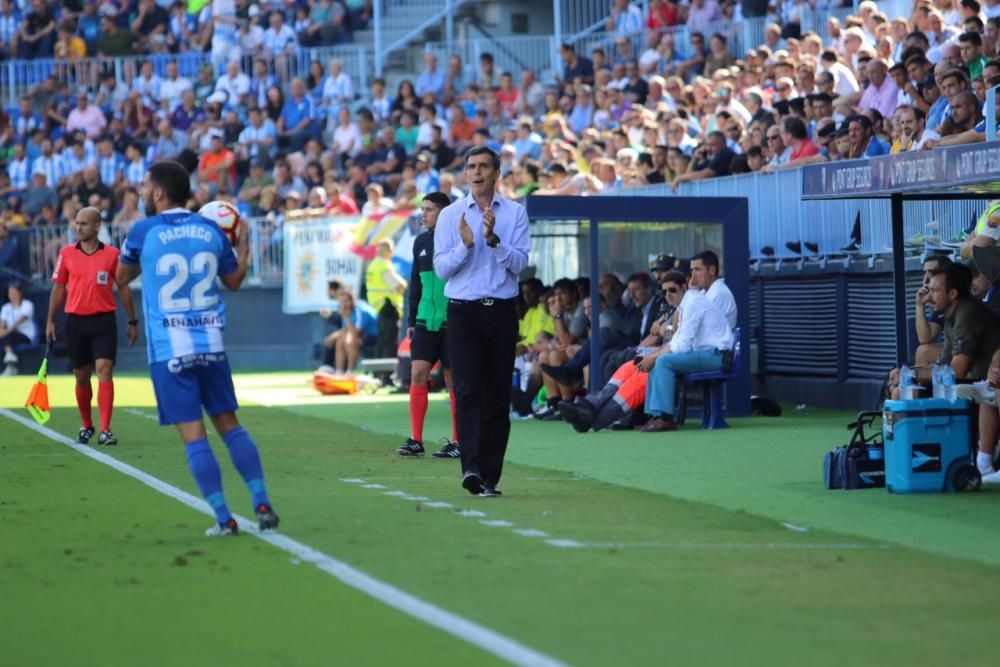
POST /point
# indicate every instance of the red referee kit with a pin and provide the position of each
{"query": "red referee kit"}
(89, 279)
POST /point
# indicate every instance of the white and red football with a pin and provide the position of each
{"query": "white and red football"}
(225, 216)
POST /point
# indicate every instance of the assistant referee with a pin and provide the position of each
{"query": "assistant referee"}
(85, 277)
(481, 244)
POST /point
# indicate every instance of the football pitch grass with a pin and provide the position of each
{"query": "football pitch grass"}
(696, 547)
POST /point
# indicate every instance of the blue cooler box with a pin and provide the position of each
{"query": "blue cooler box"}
(928, 445)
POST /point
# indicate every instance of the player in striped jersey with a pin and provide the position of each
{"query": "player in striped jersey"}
(181, 254)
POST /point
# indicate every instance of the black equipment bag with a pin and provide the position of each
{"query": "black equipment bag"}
(860, 464)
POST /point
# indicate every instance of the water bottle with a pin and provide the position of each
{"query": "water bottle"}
(947, 378)
(906, 381)
(515, 381)
(938, 388)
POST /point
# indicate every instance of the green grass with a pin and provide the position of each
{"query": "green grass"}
(684, 558)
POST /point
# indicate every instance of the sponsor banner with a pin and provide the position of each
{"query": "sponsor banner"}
(336, 248)
(953, 166)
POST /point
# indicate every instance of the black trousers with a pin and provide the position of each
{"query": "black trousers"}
(481, 340)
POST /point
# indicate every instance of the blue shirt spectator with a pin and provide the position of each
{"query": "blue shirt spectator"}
(298, 108)
(936, 114)
(364, 317)
(432, 79)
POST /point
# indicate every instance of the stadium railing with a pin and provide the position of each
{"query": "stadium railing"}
(17, 76)
(266, 249)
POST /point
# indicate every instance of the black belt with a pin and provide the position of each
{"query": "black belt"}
(485, 301)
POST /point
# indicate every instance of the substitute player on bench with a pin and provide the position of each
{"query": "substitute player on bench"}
(84, 277)
(427, 319)
(180, 255)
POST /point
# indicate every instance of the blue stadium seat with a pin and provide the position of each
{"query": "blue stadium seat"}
(712, 385)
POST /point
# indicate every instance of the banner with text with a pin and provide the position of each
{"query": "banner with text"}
(972, 165)
(317, 252)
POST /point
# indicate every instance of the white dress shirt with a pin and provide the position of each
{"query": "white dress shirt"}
(720, 295)
(702, 326)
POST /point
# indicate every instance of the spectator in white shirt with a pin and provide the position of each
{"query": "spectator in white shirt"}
(17, 326)
(625, 19)
(148, 85)
(346, 136)
(701, 343)
(234, 83)
(338, 89)
(279, 37)
(845, 81)
(173, 86)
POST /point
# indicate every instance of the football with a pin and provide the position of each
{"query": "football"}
(225, 216)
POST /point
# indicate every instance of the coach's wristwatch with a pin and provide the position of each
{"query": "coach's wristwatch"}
(495, 242)
(133, 323)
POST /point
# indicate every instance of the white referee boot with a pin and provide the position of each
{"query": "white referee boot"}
(10, 358)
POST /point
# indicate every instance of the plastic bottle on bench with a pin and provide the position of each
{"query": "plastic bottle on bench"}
(937, 389)
(947, 379)
(906, 382)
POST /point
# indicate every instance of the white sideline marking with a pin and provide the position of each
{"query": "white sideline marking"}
(566, 544)
(373, 486)
(398, 494)
(497, 523)
(140, 413)
(531, 532)
(792, 526)
(490, 641)
(352, 480)
(471, 513)
(438, 503)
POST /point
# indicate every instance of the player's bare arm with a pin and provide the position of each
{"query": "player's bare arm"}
(233, 280)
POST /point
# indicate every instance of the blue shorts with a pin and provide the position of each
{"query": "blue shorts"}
(182, 386)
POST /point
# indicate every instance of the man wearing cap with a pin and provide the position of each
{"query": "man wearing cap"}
(86, 117)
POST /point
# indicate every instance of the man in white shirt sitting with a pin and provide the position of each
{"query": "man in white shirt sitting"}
(701, 343)
(234, 83)
(705, 277)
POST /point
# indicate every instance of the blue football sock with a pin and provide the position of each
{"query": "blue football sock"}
(245, 457)
(208, 477)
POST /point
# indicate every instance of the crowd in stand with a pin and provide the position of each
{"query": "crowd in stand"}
(614, 117)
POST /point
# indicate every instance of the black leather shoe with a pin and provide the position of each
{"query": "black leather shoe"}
(472, 483)
(569, 412)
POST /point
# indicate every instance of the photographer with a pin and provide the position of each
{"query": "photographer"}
(711, 159)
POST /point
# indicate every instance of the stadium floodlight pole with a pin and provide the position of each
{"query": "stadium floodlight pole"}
(377, 20)
(557, 35)
(991, 113)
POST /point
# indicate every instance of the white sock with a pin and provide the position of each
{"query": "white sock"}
(984, 461)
